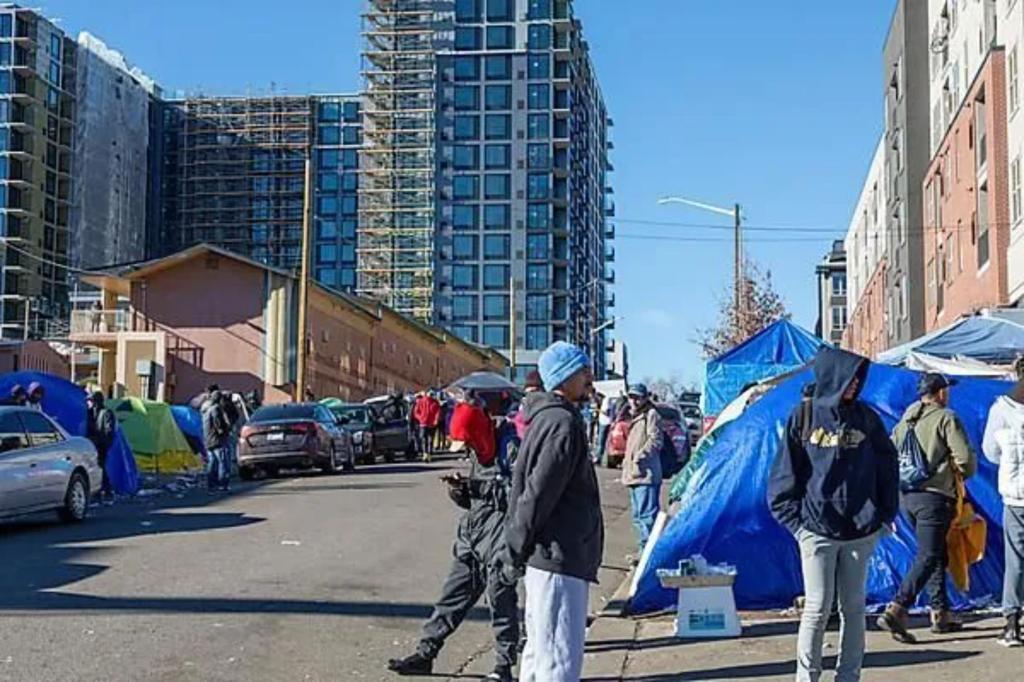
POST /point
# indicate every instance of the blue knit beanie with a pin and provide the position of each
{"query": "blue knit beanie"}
(559, 362)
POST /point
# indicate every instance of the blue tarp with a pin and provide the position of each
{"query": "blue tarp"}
(65, 402)
(779, 348)
(190, 422)
(989, 339)
(724, 515)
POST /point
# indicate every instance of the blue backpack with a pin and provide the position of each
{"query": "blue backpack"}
(912, 459)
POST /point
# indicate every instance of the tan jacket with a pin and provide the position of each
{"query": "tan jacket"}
(944, 442)
(642, 462)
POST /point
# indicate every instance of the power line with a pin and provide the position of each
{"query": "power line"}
(807, 228)
(714, 240)
(7, 244)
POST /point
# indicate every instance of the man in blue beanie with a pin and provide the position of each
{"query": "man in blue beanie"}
(555, 525)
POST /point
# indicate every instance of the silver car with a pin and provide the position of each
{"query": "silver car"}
(44, 468)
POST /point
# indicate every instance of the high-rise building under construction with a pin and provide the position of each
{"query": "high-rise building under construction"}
(484, 200)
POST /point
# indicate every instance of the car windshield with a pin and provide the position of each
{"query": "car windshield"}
(669, 413)
(354, 413)
(273, 413)
(691, 412)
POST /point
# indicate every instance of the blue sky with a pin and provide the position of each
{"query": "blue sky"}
(776, 105)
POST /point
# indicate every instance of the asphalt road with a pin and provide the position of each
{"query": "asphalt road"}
(307, 578)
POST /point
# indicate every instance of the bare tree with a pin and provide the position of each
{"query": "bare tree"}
(760, 305)
(669, 387)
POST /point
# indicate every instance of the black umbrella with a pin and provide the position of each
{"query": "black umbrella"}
(483, 382)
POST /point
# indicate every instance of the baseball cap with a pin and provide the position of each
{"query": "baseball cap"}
(639, 390)
(933, 382)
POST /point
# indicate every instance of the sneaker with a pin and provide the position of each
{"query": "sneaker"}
(502, 673)
(1011, 637)
(416, 664)
(895, 621)
(944, 622)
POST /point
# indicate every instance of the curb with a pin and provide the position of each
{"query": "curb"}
(610, 625)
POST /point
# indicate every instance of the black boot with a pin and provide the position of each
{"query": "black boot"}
(502, 673)
(416, 664)
(1011, 632)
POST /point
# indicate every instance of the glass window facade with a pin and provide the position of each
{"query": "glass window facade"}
(496, 307)
(538, 336)
(464, 277)
(467, 127)
(496, 335)
(497, 186)
(498, 67)
(538, 96)
(539, 37)
(466, 157)
(497, 156)
(497, 217)
(498, 127)
(464, 247)
(498, 97)
(467, 68)
(466, 217)
(497, 247)
(501, 37)
(468, 10)
(467, 97)
(466, 187)
(467, 38)
(538, 126)
(496, 276)
(464, 307)
(501, 10)
(538, 66)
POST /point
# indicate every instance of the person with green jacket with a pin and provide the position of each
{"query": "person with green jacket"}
(931, 505)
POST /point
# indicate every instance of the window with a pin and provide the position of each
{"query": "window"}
(498, 97)
(497, 246)
(498, 127)
(538, 66)
(40, 430)
(327, 182)
(497, 217)
(466, 157)
(1012, 81)
(539, 37)
(330, 112)
(464, 307)
(465, 332)
(329, 158)
(326, 253)
(349, 205)
(327, 276)
(465, 217)
(330, 135)
(5, 54)
(467, 97)
(327, 205)
(537, 336)
(349, 158)
(496, 307)
(538, 156)
(348, 229)
(983, 226)
(349, 182)
(497, 186)
(838, 318)
(467, 38)
(500, 10)
(464, 277)
(350, 112)
(498, 67)
(326, 229)
(467, 68)
(537, 277)
(497, 156)
(538, 126)
(467, 127)
(348, 253)
(839, 284)
(466, 187)
(538, 216)
(980, 136)
(496, 276)
(465, 247)
(538, 96)
(538, 186)
(496, 335)
(537, 307)
(501, 37)
(1015, 198)
(6, 25)
(467, 10)
(537, 247)
(12, 433)
(539, 9)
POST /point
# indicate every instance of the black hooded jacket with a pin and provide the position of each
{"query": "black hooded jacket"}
(554, 521)
(837, 477)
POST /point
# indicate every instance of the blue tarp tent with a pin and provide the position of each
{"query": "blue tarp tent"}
(723, 512)
(190, 422)
(779, 348)
(65, 402)
(992, 340)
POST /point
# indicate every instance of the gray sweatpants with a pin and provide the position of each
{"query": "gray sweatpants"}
(556, 627)
(832, 567)
(1013, 579)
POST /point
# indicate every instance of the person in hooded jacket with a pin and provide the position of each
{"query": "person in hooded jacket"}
(216, 433)
(36, 392)
(1003, 445)
(479, 543)
(18, 396)
(100, 429)
(835, 485)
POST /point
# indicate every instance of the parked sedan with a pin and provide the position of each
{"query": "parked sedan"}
(293, 436)
(43, 468)
(359, 420)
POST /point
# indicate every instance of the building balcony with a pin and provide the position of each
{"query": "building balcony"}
(609, 276)
(99, 327)
(609, 255)
(609, 232)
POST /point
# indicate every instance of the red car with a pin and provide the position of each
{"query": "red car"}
(671, 426)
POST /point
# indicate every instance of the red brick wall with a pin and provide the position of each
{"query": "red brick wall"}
(952, 236)
(865, 332)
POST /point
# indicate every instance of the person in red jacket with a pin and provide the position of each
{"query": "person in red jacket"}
(427, 413)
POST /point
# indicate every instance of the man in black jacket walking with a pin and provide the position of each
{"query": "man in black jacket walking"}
(835, 486)
(555, 525)
(100, 429)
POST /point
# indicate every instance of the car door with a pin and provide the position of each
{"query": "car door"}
(328, 426)
(50, 461)
(15, 482)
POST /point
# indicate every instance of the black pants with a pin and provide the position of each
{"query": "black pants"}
(466, 583)
(426, 439)
(931, 515)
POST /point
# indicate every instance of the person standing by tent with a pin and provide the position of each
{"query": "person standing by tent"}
(216, 432)
(835, 485)
(18, 396)
(36, 392)
(1003, 445)
(555, 525)
(427, 413)
(100, 428)
(931, 503)
(641, 466)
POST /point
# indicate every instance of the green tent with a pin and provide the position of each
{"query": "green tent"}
(155, 439)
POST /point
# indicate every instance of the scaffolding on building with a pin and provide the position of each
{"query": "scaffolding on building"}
(396, 241)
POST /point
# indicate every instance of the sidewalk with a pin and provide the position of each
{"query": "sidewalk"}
(645, 650)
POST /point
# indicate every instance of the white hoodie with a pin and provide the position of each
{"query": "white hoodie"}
(1004, 446)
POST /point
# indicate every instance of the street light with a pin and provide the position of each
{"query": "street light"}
(734, 213)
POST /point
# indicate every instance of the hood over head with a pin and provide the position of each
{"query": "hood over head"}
(534, 403)
(834, 370)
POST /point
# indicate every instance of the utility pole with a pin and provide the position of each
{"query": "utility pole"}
(303, 341)
(738, 278)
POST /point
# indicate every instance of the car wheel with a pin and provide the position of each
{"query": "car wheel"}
(389, 457)
(332, 462)
(272, 472)
(246, 473)
(76, 499)
(350, 463)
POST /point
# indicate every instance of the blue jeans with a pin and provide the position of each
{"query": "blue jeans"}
(218, 468)
(602, 439)
(1013, 580)
(644, 502)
